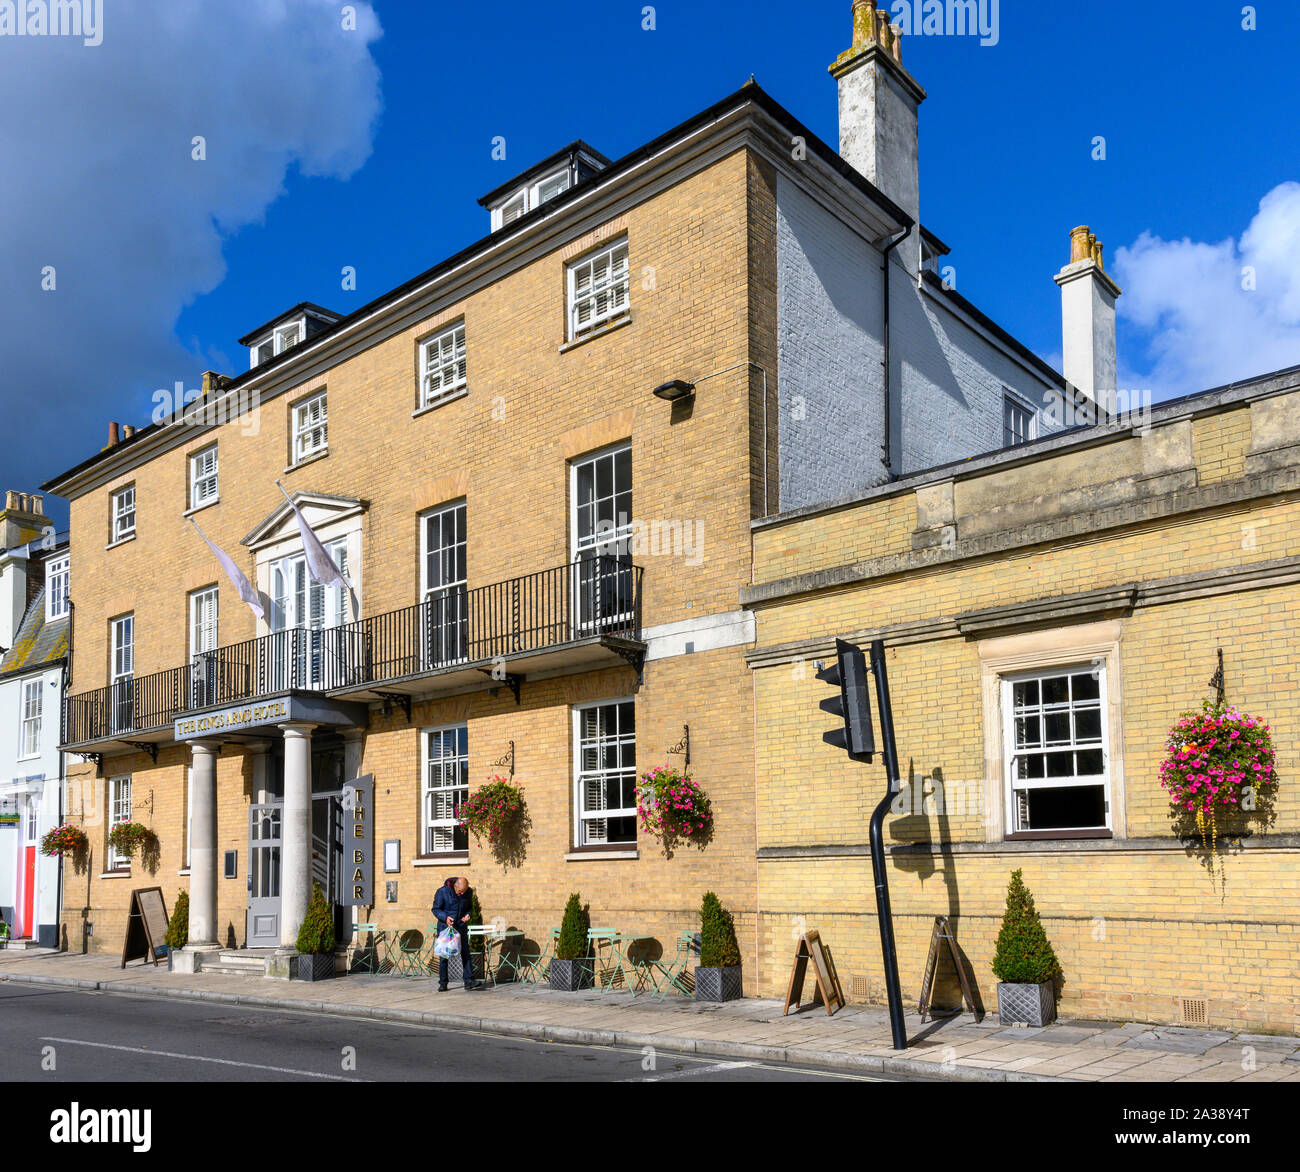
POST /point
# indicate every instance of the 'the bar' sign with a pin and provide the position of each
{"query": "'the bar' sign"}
(359, 841)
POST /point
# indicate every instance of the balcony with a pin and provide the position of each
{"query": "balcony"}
(581, 616)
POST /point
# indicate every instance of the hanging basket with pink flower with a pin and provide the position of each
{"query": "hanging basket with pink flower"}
(64, 840)
(1219, 770)
(672, 807)
(493, 811)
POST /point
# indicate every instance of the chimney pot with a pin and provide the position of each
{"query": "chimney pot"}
(113, 434)
(38, 505)
(11, 499)
(128, 430)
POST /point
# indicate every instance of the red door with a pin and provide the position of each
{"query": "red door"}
(27, 921)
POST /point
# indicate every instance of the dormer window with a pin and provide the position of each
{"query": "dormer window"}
(529, 197)
(300, 324)
(58, 578)
(550, 178)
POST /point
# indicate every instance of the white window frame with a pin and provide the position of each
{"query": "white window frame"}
(617, 288)
(58, 587)
(119, 810)
(588, 831)
(31, 710)
(529, 197)
(204, 486)
(304, 428)
(432, 828)
(204, 630)
(123, 507)
(122, 651)
(443, 356)
(32, 825)
(1010, 753)
(594, 543)
(281, 335)
(1012, 402)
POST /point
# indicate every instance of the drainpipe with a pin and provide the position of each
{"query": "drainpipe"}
(886, 455)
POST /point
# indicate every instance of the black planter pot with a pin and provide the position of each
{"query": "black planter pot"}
(456, 967)
(717, 984)
(314, 966)
(568, 976)
(1033, 1005)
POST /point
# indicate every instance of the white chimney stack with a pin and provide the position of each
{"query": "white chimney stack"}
(1088, 323)
(878, 117)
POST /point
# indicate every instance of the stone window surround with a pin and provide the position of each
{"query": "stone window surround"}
(1057, 647)
(286, 541)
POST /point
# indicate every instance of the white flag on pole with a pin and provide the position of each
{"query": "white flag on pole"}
(319, 563)
(235, 574)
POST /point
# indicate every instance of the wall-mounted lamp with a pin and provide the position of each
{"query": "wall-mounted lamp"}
(677, 389)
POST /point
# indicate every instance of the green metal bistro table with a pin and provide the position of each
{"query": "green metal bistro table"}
(609, 952)
(506, 961)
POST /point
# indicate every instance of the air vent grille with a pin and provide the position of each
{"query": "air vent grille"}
(1195, 1011)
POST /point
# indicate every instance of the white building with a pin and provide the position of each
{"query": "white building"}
(35, 626)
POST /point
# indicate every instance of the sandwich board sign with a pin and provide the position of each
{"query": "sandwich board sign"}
(146, 927)
(827, 986)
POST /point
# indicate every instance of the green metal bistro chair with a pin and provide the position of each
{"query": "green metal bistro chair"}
(534, 968)
(368, 960)
(409, 958)
(673, 975)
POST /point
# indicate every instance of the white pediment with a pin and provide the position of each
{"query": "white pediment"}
(323, 513)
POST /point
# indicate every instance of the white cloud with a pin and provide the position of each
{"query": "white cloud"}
(1203, 326)
(97, 180)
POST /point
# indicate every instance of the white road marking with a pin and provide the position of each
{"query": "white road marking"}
(201, 1058)
(710, 1069)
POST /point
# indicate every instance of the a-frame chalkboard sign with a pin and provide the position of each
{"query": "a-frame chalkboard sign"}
(828, 987)
(146, 926)
(939, 937)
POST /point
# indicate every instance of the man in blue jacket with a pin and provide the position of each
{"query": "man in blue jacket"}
(451, 906)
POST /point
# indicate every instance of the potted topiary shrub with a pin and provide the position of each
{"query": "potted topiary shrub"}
(315, 961)
(178, 927)
(571, 968)
(717, 977)
(1024, 962)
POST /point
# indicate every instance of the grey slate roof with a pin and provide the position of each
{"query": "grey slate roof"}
(37, 643)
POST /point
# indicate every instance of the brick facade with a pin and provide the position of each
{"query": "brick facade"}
(1074, 546)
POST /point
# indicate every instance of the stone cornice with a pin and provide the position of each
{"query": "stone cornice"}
(1144, 510)
(1042, 612)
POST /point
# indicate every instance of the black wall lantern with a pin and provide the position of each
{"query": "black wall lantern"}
(672, 391)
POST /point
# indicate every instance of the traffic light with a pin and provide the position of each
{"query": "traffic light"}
(853, 704)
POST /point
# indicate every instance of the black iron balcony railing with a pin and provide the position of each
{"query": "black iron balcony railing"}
(597, 597)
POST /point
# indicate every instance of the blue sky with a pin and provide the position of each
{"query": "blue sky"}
(372, 153)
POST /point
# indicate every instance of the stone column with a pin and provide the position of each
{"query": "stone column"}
(295, 853)
(203, 845)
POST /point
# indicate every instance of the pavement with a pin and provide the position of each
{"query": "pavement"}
(856, 1038)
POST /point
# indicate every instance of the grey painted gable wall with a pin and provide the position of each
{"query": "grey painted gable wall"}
(948, 379)
(829, 353)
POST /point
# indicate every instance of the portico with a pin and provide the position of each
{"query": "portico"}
(280, 862)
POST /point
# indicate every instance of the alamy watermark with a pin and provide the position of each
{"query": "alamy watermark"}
(948, 18)
(242, 406)
(53, 18)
